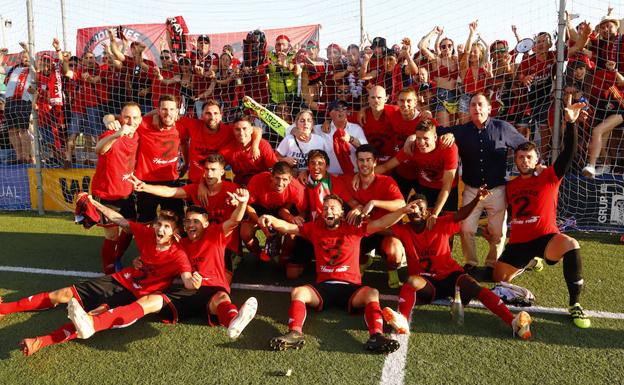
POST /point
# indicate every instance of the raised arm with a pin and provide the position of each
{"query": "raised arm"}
(117, 54)
(423, 45)
(279, 225)
(463, 64)
(570, 137)
(240, 199)
(465, 211)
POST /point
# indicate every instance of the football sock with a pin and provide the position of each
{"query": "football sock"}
(407, 299)
(495, 305)
(296, 315)
(572, 272)
(373, 318)
(119, 317)
(108, 256)
(226, 312)
(39, 301)
(122, 244)
(65, 333)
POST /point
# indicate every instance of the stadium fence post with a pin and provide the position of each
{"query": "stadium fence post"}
(559, 79)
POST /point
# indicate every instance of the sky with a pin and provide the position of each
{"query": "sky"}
(339, 20)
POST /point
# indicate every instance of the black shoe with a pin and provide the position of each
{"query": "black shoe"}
(378, 343)
(290, 340)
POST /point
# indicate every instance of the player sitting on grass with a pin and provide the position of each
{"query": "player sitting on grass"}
(534, 231)
(205, 246)
(434, 274)
(338, 279)
(163, 260)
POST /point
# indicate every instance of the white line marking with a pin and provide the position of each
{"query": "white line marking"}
(287, 289)
(393, 371)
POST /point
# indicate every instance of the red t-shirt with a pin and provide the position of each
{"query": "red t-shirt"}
(383, 188)
(159, 151)
(203, 142)
(261, 193)
(431, 165)
(158, 88)
(533, 204)
(159, 267)
(114, 167)
(380, 134)
(207, 256)
(88, 93)
(543, 70)
(428, 253)
(243, 166)
(402, 129)
(337, 251)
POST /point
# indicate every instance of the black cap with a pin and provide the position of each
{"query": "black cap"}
(336, 104)
(205, 38)
(378, 42)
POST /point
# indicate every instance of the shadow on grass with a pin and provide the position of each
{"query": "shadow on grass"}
(550, 329)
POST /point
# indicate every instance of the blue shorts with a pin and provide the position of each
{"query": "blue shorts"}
(443, 95)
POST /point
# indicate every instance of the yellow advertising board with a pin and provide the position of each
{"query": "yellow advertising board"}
(59, 187)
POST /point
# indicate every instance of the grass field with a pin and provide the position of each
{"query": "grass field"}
(149, 352)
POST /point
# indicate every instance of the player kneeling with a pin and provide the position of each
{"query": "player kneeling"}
(434, 274)
(205, 247)
(338, 279)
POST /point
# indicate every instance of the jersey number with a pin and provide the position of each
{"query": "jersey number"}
(523, 202)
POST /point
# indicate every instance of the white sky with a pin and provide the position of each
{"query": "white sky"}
(340, 20)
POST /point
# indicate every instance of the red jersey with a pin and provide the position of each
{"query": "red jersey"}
(89, 93)
(402, 129)
(533, 204)
(114, 167)
(379, 132)
(337, 251)
(158, 88)
(428, 253)
(203, 142)
(159, 151)
(207, 256)
(261, 193)
(431, 165)
(159, 267)
(542, 70)
(383, 188)
(243, 166)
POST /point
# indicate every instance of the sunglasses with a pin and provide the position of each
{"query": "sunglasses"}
(165, 58)
(445, 46)
(341, 92)
(500, 50)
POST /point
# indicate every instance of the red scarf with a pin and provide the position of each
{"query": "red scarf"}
(342, 150)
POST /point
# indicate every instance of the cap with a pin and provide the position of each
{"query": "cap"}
(337, 104)
(378, 42)
(204, 38)
(334, 46)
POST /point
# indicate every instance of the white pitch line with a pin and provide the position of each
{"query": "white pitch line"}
(287, 289)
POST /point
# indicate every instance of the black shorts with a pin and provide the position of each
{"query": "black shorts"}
(148, 203)
(124, 206)
(303, 252)
(17, 113)
(406, 185)
(445, 287)
(102, 290)
(519, 255)
(181, 304)
(335, 294)
(452, 202)
(370, 243)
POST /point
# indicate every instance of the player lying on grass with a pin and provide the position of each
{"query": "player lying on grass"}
(434, 274)
(163, 260)
(338, 279)
(205, 246)
(534, 231)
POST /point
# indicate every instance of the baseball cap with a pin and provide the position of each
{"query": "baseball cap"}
(378, 42)
(204, 38)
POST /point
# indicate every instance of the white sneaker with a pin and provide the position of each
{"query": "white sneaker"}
(80, 319)
(396, 320)
(246, 313)
(604, 169)
(589, 171)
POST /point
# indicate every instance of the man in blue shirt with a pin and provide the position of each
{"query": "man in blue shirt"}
(483, 144)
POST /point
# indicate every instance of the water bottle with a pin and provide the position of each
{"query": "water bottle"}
(457, 308)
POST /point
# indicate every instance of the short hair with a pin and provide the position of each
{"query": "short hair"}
(211, 102)
(333, 197)
(318, 154)
(426, 125)
(407, 90)
(527, 146)
(487, 98)
(167, 98)
(169, 216)
(213, 158)
(545, 34)
(130, 103)
(194, 209)
(242, 118)
(417, 196)
(280, 168)
(366, 148)
(304, 111)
